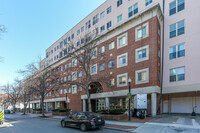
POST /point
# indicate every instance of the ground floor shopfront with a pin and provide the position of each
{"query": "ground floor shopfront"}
(119, 99)
(50, 104)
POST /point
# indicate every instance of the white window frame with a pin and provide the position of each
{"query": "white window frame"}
(112, 82)
(118, 61)
(147, 76)
(120, 75)
(139, 28)
(75, 87)
(91, 69)
(111, 44)
(119, 18)
(73, 74)
(93, 57)
(126, 40)
(147, 54)
(74, 62)
(101, 49)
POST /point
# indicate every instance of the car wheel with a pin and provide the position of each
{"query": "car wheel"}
(83, 127)
(63, 123)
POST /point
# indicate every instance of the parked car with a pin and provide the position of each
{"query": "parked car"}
(6, 111)
(83, 121)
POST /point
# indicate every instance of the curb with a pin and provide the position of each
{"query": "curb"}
(119, 129)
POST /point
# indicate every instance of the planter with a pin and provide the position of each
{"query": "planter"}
(60, 113)
(114, 117)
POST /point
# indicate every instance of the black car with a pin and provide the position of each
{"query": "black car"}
(6, 111)
(83, 121)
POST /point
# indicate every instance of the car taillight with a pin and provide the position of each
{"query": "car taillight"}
(91, 120)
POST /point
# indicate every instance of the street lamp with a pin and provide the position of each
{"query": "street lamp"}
(129, 94)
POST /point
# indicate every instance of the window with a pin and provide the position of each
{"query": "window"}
(65, 79)
(69, 90)
(95, 19)
(133, 10)
(109, 10)
(122, 40)
(82, 29)
(82, 41)
(147, 2)
(88, 25)
(94, 53)
(61, 68)
(57, 93)
(142, 54)
(102, 15)
(78, 43)
(61, 91)
(74, 62)
(78, 32)
(177, 74)
(142, 76)
(111, 64)
(101, 50)
(74, 76)
(69, 64)
(112, 82)
(55, 49)
(80, 74)
(122, 60)
(119, 18)
(79, 88)
(111, 45)
(69, 77)
(65, 41)
(74, 89)
(119, 2)
(72, 36)
(102, 28)
(109, 24)
(69, 39)
(176, 6)
(177, 29)
(122, 80)
(96, 31)
(142, 31)
(93, 69)
(65, 91)
(102, 67)
(177, 51)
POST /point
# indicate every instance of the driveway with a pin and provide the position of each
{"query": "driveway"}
(171, 124)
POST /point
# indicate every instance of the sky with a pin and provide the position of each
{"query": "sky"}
(34, 25)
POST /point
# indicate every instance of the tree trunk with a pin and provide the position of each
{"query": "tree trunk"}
(89, 104)
(42, 105)
(25, 105)
(13, 108)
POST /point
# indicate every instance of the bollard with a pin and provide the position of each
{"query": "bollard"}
(1, 114)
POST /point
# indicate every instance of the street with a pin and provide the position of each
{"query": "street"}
(36, 125)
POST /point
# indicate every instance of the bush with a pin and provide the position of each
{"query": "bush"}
(61, 110)
(117, 111)
(36, 109)
(112, 111)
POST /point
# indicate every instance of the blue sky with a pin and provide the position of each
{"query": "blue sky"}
(34, 25)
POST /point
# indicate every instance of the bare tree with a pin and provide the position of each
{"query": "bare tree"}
(13, 91)
(39, 82)
(85, 59)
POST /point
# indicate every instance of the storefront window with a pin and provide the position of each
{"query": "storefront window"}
(117, 103)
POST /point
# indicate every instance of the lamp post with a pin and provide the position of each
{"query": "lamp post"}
(129, 106)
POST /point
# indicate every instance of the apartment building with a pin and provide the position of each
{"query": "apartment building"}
(133, 31)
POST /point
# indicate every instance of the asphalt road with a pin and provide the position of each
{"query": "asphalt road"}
(37, 125)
